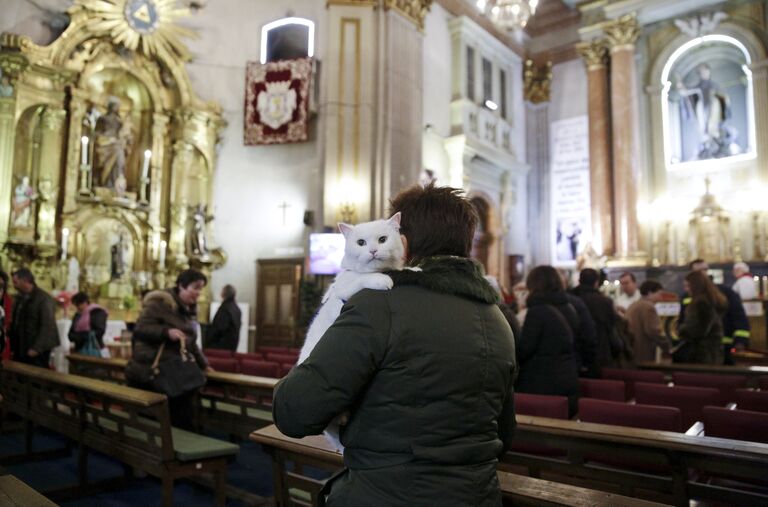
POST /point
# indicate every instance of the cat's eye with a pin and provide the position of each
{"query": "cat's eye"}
(361, 242)
(382, 239)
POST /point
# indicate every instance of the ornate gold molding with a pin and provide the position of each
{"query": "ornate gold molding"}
(415, 10)
(537, 82)
(595, 53)
(623, 33)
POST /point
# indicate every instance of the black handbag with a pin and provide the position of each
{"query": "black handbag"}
(178, 374)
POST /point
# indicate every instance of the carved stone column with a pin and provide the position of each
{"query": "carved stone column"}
(12, 65)
(759, 84)
(373, 121)
(622, 35)
(595, 54)
(51, 148)
(72, 172)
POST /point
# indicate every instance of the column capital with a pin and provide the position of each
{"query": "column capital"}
(537, 82)
(594, 53)
(415, 10)
(623, 33)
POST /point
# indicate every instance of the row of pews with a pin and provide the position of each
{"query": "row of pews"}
(589, 467)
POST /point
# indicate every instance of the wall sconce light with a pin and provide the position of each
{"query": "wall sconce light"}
(346, 202)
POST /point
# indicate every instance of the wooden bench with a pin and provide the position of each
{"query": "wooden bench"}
(293, 487)
(753, 373)
(232, 403)
(131, 425)
(682, 466)
(14, 493)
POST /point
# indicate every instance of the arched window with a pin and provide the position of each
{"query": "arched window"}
(287, 39)
(707, 105)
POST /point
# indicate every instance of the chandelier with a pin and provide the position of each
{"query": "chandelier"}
(508, 15)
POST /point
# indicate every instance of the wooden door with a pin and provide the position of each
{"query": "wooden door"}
(277, 301)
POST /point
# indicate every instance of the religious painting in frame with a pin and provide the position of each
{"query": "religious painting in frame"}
(277, 101)
(708, 109)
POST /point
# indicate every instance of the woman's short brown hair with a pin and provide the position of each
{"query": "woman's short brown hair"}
(701, 287)
(435, 221)
(544, 280)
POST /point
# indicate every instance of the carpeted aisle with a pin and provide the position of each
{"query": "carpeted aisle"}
(251, 471)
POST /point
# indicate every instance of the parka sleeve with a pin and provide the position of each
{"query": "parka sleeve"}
(507, 422)
(335, 374)
(48, 334)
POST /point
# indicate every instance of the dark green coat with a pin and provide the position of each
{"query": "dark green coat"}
(34, 323)
(426, 371)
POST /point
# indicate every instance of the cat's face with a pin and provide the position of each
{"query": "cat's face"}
(373, 246)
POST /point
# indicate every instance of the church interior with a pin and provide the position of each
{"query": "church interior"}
(144, 142)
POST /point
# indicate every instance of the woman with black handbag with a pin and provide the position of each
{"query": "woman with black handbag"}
(166, 357)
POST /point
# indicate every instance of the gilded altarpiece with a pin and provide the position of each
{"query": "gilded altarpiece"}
(107, 156)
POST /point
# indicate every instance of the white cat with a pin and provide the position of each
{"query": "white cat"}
(369, 248)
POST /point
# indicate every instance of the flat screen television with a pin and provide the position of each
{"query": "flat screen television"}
(325, 253)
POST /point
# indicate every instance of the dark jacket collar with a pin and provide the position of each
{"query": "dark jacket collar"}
(585, 289)
(447, 274)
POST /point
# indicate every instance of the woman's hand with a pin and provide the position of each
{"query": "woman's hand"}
(176, 335)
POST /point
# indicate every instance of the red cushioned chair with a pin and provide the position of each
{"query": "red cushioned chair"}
(224, 364)
(736, 424)
(726, 384)
(690, 400)
(756, 401)
(273, 349)
(250, 356)
(555, 407)
(282, 358)
(630, 377)
(611, 390)
(260, 368)
(635, 416)
(217, 353)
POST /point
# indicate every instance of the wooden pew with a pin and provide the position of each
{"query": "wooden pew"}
(682, 464)
(292, 487)
(128, 424)
(233, 403)
(14, 493)
(753, 373)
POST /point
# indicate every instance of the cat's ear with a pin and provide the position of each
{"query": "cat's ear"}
(394, 220)
(345, 229)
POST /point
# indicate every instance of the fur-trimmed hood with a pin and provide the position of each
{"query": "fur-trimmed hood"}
(163, 297)
(448, 274)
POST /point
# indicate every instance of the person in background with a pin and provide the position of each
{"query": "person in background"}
(168, 317)
(736, 328)
(545, 347)
(224, 331)
(702, 331)
(33, 330)
(744, 285)
(645, 325)
(628, 293)
(90, 318)
(604, 316)
(6, 310)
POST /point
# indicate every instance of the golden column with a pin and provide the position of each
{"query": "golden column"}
(12, 65)
(595, 56)
(622, 35)
(51, 148)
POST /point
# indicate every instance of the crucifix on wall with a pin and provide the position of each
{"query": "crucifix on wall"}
(284, 206)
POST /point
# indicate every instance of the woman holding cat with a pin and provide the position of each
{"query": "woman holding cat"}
(425, 371)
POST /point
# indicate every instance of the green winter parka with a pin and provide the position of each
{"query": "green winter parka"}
(426, 372)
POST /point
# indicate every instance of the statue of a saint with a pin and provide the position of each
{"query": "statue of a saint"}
(198, 240)
(710, 105)
(117, 266)
(73, 275)
(6, 88)
(23, 195)
(114, 138)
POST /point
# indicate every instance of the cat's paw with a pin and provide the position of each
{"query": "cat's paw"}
(379, 281)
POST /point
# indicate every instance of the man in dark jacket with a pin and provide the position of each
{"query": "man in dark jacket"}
(33, 327)
(425, 371)
(224, 331)
(603, 314)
